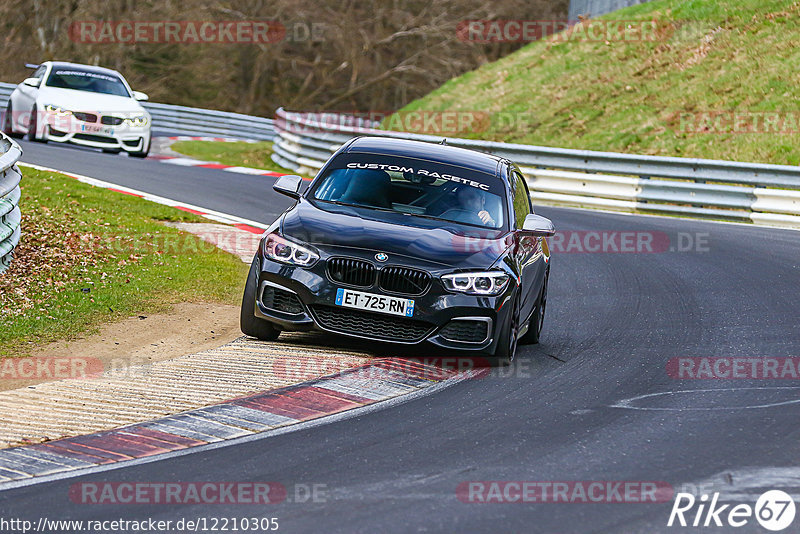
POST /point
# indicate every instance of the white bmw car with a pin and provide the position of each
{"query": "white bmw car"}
(81, 104)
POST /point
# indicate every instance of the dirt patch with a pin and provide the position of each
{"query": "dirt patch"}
(139, 340)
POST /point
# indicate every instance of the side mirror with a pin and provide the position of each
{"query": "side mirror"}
(538, 226)
(138, 95)
(288, 185)
(33, 82)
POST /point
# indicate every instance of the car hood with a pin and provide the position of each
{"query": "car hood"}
(331, 227)
(90, 102)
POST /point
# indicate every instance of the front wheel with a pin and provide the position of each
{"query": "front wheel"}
(8, 128)
(143, 154)
(537, 319)
(507, 346)
(250, 324)
(33, 127)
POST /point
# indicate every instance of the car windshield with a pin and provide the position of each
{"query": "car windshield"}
(84, 80)
(414, 187)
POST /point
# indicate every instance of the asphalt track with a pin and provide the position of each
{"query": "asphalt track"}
(614, 320)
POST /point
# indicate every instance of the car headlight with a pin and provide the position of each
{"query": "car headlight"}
(488, 283)
(282, 250)
(57, 110)
(136, 120)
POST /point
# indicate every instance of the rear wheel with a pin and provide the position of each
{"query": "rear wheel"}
(7, 125)
(250, 324)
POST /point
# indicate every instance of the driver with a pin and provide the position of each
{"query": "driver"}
(472, 200)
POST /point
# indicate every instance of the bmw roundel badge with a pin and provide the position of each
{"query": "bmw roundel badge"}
(380, 256)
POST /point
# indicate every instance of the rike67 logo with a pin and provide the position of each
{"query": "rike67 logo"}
(774, 510)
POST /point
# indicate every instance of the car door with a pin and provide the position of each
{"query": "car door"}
(529, 247)
(25, 96)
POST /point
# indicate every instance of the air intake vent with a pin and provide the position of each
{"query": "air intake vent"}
(95, 138)
(114, 121)
(404, 280)
(377, 326)
(277, 299)
(351, 272)
(85, 117)
(466, 331)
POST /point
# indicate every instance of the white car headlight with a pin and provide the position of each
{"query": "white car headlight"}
(136, 120)
(57, 110)
(282, 250)
(489, 283)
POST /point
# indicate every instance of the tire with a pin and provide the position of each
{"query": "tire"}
(536, 323)
(33, 125)
(507, 346)
(7, 128)
(142, 154)
(250, 324)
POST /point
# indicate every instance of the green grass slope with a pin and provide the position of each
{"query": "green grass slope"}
(674, 95)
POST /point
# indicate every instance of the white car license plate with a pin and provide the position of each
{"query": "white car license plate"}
(375, 303)
(98, 129)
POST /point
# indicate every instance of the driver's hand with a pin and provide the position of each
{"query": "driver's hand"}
(485, 217)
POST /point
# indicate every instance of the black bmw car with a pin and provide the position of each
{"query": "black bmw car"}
(405, 242)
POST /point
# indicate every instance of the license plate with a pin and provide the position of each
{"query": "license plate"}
(375, 303)
(97, 129)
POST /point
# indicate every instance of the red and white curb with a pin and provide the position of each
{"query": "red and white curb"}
(191, 162)
(250, 417)
(215, 139)
(170, 157)
(238, 222)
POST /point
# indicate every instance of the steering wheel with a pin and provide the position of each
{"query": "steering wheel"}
(462, 215)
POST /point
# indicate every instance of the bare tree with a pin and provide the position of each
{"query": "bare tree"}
(336, 54)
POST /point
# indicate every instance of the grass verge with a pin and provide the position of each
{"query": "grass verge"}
(256, 155)
(677, 94)
(89, 256)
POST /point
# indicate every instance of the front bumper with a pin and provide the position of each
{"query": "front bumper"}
(123, 137)
(449, 320)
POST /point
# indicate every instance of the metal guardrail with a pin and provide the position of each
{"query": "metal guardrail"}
(10, 216)
(727, 190)
(595, 8)
(184, 120)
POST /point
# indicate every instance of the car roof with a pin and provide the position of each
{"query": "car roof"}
(90, 68)
(463, 157)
